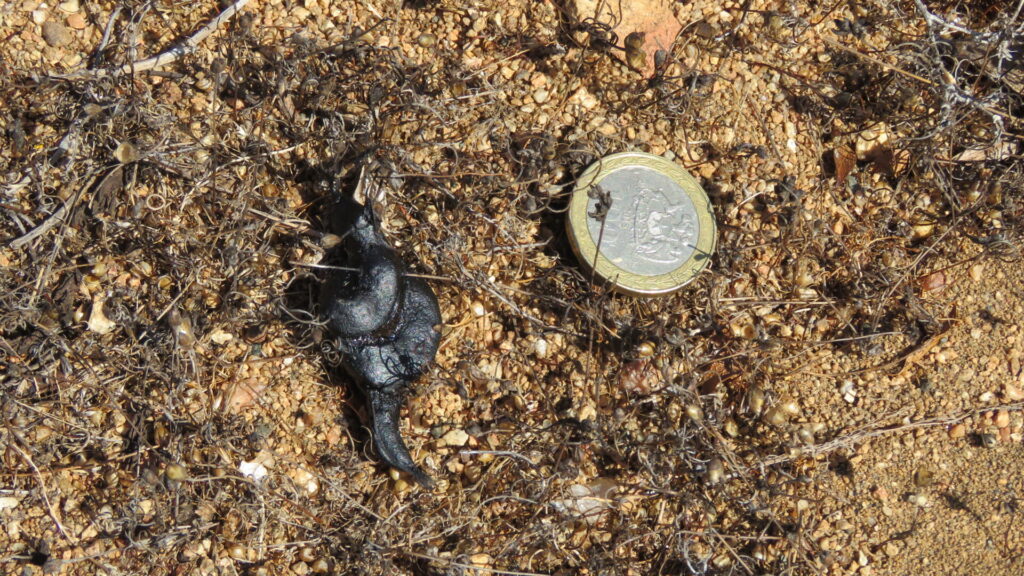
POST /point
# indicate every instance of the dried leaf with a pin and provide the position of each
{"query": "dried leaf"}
(846, 160)
(590, 501)
(1001, 150)
(111, 183)
(888, 161)
(105, 195)
(239, 395)
(639, 377)
(932, 282)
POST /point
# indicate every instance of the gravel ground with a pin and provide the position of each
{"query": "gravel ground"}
(841, 392)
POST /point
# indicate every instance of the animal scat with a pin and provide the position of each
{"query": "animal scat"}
(384, 323)
(364, 306)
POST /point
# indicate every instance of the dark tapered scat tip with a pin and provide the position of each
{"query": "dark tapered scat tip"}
(384, 405)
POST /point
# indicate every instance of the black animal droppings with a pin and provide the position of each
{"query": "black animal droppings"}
(384, 322)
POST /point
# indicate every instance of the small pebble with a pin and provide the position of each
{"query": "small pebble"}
(988, 440)
(924, 477)
(56, 34)
(731, 428)
(921, 231)
(126, 152)
(1002, 418)
(755, 399)
(862, 558)
(694, 412)
(1012, 392)
(77, 21)
(645, 350)
(176, 472)
(456, 437)
(848, 391)
(540, 348)
(426, 40)
(790, 407)
(478, 308)
(716, 471)
(237, 552)
(775, 417)
(932, 282)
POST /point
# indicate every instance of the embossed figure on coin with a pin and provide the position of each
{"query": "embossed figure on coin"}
(661, 231)
(651, 227)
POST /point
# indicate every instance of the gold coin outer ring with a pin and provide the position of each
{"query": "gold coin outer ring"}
(623, 281)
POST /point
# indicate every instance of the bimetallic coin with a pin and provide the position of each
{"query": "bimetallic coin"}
(641, 223)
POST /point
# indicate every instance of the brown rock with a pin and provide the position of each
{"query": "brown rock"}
(55, 34)
(1011, 392)
(1001, 419)
(77, 21)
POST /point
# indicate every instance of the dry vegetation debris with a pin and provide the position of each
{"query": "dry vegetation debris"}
(161, 370)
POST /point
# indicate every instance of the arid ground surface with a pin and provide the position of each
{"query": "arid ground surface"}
(841, 392)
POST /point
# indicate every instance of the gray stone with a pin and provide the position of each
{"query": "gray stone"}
(56, 34)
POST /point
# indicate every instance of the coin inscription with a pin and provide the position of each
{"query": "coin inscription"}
(651, 226)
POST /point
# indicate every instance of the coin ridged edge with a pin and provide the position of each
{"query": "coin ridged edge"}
(622, 280)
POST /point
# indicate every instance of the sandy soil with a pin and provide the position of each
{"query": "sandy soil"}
(840, 393)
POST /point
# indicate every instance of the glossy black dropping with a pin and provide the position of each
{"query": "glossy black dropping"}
(385, 325)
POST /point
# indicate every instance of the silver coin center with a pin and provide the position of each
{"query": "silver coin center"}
(651, 227)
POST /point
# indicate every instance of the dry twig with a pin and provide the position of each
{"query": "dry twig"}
(876, 431)
(164, 58)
